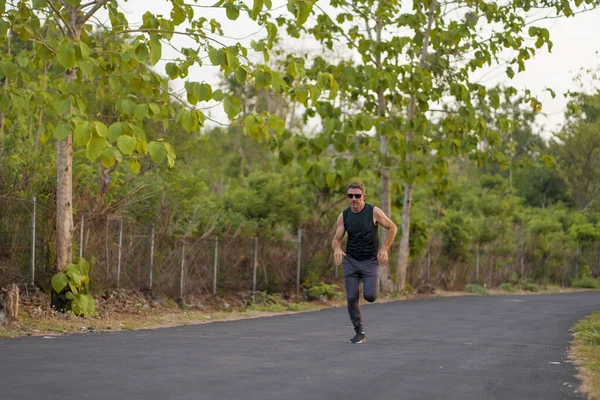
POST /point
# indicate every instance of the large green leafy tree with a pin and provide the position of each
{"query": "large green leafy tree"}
(577, 150)
(412, 68)
(104, 59)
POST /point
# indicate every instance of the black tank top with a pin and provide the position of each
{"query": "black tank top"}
(363, 241)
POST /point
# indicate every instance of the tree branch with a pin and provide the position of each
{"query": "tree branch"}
(99, 4)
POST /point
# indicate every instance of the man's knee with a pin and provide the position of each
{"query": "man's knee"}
(371, 297)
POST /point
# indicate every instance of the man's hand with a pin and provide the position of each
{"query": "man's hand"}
(338, 255)
(382, 256)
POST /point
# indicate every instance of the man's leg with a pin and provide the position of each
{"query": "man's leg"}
(352, 282)
(370, 274)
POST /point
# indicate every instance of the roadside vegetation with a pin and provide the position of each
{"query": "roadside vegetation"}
(585, 352)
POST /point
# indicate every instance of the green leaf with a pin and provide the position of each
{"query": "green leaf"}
(112, 152)
(494, 100)
(141, 53)
(141, 111)
(76, 278)
(85, 50)
(330, 178)
(232, 106)
(73, 3)
(217, 57)
(263, 79)
(62, 106)
(3, 24)
(95, 147)
(155, 109)
(510, 72)
(172, 70)
(202, 92)
(114, 132)
(128, 106)
(100, 128)
(134, 165)
(59, 282)
(81, 134)
(231, 56)
(65, 53)
(170, 154)
(83, 305)
(114, 83)
(157, 151)
(189, 121)
(107, 162)
(257, 8)
(62, 131)
(155, 51)
(232, 11)
(240, 75)
(177, 14)
(126, 144)
(218, 95)
(69, 296)
(84, 266)
(302, 11)
(86, 68)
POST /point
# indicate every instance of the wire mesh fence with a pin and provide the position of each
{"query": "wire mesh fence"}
(130, 255)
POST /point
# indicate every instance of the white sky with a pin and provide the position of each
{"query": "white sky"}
(575, 47)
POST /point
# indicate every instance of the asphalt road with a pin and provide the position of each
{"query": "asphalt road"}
(475, 347)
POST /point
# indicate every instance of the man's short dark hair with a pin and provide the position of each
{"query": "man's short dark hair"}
(357, 185)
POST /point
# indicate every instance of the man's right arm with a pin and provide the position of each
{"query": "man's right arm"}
(336, 243)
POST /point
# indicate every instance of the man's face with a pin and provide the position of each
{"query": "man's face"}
(355, 203)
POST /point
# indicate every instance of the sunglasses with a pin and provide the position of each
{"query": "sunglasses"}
(355, 195)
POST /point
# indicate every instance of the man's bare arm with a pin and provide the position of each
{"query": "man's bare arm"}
(336, 243)
(383, 220)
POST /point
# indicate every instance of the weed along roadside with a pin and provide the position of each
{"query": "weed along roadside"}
(122, 309)
(585, 353)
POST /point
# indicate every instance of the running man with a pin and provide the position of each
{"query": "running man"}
(363, 255)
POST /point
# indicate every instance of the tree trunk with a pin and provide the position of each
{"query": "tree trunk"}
(64, 187)
(386, 204)
(64, 204)
(9, 305)
(404, 250)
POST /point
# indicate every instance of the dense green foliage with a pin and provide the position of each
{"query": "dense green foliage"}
(491, 193)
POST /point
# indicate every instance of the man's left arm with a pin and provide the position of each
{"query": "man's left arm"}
(383, 220)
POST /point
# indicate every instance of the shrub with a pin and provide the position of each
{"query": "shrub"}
(588, 330)
(475, 288)
(507, 287)
(323, 289)
(529, 285)
(264, 301)
(72, 285)
(585, 283)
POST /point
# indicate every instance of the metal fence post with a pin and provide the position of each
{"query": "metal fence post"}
(299, 258)
(215, 266)
(119, 259)
(477, 265)
(151, 258)
(255, 264)
(32, 270)
(428, 263)
(182, 269)
(81, 236)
